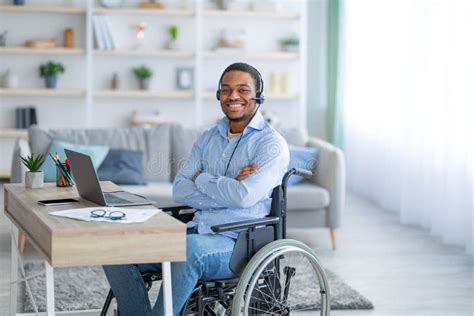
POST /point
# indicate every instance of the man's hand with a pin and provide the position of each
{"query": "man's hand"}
(246, 172)
(196, 175)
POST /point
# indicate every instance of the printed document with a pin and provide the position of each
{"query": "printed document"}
(132, 215)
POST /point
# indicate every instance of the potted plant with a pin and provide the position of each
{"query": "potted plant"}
(173, 36)
(33, 177)
(50, 72)
(143, 75)
(289, 44)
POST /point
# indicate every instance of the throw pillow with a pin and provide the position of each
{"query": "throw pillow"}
(122, 166)
(302, 158)
(97, 154)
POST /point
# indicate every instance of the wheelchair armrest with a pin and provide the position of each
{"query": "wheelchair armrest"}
(174, 210)
(245, 224)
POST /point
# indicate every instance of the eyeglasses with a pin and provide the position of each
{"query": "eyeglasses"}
(114, 215)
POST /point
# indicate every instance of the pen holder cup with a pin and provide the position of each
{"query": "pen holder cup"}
(61, 179)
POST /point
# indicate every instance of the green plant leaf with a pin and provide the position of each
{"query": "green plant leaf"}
(33, 162)
(51, 68)
(142, 72)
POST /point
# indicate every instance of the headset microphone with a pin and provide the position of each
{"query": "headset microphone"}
(259, 99)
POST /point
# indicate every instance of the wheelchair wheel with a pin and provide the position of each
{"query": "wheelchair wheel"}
(283, 277)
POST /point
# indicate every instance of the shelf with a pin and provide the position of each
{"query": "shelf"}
(147, 52)
(185, 94)
(42, 9)
(253, 14)
(243, 54)
(140, 11)
(39, 51)
(23, 92)
(13, 133)
(5, 174)
(268, 96)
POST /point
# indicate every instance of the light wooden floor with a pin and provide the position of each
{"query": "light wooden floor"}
(401, 269)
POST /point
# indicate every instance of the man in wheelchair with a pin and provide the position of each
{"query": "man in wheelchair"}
(229, 177)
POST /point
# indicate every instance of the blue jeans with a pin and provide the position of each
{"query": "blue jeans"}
(208, 258)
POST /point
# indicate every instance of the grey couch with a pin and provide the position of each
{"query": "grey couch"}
(315, 203)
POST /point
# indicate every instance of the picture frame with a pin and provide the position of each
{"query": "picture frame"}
(184, 78)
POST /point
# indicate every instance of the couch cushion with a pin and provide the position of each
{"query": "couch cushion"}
(183, 139)
(97, 154)
(301, 158)
(160, 192)
(306, 195)
(154, 143)
(122, 166)
(294, 136)
(158, 157)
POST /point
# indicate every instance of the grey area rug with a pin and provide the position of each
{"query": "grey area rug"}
(85, 288)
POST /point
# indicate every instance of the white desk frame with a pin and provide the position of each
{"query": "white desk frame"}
(16, 262)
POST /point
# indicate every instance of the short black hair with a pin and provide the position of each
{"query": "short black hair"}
(245, 68)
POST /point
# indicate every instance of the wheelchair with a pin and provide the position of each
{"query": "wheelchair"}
(276, 276)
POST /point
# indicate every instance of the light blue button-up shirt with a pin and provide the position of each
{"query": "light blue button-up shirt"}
(219, 198)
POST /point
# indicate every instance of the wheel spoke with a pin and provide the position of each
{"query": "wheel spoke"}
(265, 288)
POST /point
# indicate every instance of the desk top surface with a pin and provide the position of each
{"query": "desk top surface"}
(69, 242)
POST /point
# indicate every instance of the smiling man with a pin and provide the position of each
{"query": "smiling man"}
(229, 177)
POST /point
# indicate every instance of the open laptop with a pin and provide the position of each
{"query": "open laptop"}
(88, 185)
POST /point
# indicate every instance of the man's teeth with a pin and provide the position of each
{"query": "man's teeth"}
(235, 105)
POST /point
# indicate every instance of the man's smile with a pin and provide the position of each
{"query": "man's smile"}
(235, 105)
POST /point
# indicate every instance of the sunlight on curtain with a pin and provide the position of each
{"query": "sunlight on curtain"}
(407, 86)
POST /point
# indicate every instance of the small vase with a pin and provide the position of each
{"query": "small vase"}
(171, 44)
(34, 180)
(290, 48)
(51, 81)
(10, 80)
(144, 83)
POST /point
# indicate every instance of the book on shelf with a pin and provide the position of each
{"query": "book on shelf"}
(108, 34)
(25, 117)
(99, 42)
(102, 34)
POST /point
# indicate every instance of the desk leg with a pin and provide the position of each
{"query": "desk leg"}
(167, 295)
(14, 274)
(49, 289)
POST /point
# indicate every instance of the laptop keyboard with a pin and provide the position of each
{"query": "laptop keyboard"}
(112, 199)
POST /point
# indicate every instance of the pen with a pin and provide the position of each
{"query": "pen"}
(61, 167)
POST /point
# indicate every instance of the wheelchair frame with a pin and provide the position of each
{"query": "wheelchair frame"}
(259, 243)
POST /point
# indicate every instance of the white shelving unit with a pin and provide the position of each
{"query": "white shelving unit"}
(42, 51)
(91, 95)
(148, 52)
(139, 11)
(70, 93)
(144, 94)
(41, 9)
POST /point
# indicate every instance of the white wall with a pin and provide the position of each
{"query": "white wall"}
(317, 70)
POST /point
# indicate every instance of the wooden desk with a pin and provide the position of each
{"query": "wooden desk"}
(67, 243)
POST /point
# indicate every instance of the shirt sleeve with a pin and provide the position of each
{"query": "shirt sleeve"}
(271, 158)
(184, 189)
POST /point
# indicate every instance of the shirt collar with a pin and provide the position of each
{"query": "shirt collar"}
(258, 123)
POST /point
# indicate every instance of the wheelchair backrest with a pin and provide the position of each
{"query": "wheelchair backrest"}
(250, 241)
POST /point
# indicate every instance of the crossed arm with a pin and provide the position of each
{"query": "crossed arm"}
(201, 190)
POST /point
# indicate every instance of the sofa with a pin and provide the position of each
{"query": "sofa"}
(317, 202)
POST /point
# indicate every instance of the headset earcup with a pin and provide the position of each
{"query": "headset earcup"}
(260, 98)
(218, 95)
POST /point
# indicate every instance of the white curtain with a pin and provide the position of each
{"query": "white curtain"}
(407, 87)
